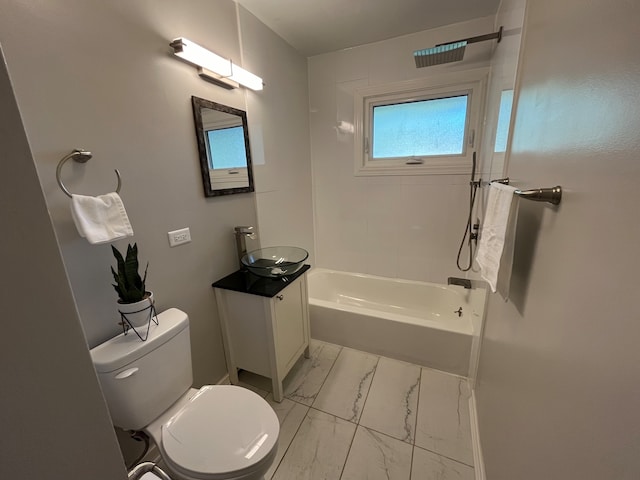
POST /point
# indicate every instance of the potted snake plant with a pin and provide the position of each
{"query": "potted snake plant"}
(134, 301)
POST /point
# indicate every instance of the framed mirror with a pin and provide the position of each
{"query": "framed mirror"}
(223, 143)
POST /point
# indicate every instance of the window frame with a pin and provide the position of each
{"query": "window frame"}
(471, 82)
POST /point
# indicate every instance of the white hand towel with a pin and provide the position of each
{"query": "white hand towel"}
(100, 219)
(495, 252)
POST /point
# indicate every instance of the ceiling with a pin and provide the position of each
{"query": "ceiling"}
(320, 26)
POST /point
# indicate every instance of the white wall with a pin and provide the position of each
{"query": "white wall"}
(558, 386)
(400, 226)
(282, 167)
(55, 424)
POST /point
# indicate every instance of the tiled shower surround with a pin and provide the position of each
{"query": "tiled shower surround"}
(353, 415)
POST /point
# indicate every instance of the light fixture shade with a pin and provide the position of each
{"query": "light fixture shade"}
(246, 78)
(200, 56)
(216, 67)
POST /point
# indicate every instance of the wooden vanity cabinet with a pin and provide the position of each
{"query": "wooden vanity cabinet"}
(265, 334)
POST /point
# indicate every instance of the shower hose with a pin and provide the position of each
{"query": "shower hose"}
(473, 187)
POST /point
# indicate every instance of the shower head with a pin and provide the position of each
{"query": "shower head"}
(450, 52)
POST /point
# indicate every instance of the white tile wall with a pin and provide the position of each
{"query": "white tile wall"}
(406, 227)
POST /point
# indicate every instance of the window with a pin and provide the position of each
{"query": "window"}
(419, 128)
(227, 148)
(425, 126)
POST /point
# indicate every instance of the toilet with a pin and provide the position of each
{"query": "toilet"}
(215, 432)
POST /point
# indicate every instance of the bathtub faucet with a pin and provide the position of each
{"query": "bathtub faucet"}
(463, 282)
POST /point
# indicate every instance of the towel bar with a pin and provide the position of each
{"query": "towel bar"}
(80, 156)
(551, 195)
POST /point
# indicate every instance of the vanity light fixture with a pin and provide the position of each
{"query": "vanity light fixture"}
(213, 67)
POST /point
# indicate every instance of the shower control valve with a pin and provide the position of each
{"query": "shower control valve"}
(474, 230)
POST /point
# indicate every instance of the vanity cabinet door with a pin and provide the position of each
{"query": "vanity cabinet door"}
(265, 335)
(290, 328)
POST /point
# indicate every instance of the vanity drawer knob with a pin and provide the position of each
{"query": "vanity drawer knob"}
(280, 297)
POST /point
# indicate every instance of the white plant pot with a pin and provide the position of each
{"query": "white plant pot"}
(139, 313)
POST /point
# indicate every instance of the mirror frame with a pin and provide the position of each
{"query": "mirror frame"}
(197, 104)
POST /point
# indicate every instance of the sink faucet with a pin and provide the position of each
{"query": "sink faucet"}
(241, 234)
(463, 282)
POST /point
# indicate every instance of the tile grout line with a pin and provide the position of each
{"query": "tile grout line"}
(415, 445)
(444, 456)
(307, 374)
(357, 422)
(328, 373)
(344, 464)
(415, 433)
(291, 442)
(338, 416)
(308, 409)
(331, 369)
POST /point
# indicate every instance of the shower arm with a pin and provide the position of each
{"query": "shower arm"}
(479, 38)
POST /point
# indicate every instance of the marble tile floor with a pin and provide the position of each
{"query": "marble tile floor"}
(353, 415)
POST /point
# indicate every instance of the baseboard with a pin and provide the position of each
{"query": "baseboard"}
(478, 461)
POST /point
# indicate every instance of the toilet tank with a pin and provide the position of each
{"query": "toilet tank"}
(140, 380)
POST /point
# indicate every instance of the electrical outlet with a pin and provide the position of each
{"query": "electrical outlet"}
(178, 237)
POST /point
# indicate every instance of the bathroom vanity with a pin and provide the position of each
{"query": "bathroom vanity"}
(265, 324)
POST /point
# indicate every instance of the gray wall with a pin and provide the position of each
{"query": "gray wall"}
(558, 383)
(100, 75)
(55, 424)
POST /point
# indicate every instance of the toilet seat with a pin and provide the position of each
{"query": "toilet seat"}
(222, 432)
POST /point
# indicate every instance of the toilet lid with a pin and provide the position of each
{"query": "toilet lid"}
(222, 429)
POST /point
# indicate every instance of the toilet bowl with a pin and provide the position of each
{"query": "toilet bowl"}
(217, 432)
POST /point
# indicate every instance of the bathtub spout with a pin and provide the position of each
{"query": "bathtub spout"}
(463, 282)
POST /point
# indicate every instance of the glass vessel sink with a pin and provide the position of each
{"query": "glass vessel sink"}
(274, 262)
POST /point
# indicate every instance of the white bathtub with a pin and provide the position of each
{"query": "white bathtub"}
(412, 321)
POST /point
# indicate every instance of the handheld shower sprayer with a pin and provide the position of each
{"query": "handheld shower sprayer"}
(473, 169)
(470, 230)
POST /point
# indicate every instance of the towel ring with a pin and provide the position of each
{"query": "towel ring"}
(81, 156)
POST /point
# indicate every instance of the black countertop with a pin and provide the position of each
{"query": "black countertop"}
(246, 282)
